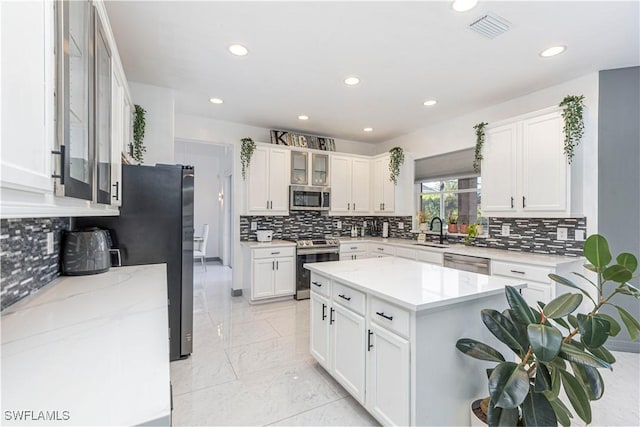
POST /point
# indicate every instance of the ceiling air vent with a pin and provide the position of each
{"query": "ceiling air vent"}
(490, 25)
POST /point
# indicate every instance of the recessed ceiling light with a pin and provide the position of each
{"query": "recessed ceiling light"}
(352, 80)
(430, 102)
(238, 50)
(463, 5)
(553, 51)
(303, 117)
(215, 100)
(368, 129)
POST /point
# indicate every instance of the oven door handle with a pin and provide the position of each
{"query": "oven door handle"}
(318, 251)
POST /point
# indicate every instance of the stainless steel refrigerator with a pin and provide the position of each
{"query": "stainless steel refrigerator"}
(156, 226)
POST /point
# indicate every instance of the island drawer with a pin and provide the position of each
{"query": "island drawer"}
(274, 252)
(521, 271)
(348, 297)
(320, 284)
(390, 316)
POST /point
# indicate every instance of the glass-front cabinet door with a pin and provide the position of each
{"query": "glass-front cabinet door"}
(102, 114)
(320, 169)
(74, 97)
(299, 162)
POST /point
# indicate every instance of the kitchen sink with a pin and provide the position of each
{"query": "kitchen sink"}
(432, 245)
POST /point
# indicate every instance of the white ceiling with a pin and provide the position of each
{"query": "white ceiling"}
(404, 53)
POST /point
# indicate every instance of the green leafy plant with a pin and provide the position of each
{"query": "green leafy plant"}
(479, 143)
(573, 108)
(472, 232)
(248, 147)
(396, 159)
(452, 219)
(139, 123)
(555, 348)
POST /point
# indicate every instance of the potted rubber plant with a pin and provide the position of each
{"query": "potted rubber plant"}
(557, 346)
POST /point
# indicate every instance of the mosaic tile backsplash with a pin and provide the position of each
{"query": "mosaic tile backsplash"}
(303, 224)
(537, 235)
(26, 267)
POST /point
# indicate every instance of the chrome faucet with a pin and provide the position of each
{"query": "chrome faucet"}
(431, 228)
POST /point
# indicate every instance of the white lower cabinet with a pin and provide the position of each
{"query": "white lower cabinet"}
(348, 350)
(369, 359)
(270, 272)
(319, 327)
(352, 251)
(388, 382)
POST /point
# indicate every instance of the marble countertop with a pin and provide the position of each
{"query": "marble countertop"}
(95, 346)
(411, 284)
(493, 254)
(275, 243)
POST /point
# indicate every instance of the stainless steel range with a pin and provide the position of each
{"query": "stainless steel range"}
(318, 249)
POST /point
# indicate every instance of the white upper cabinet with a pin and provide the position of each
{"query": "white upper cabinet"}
(350, 186)
(27, 95)
(384, 190)
(525, 171)
(545, 170)
(268, 181)
(499, 169)
(58, 152)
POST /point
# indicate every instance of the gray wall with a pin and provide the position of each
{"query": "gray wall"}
(619, 175)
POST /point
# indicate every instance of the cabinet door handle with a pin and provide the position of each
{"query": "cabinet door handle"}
(277, 265)
(383, 206)
(354, 206)
(516, 271)
(523, 202)
(61, 153)
(384, 315)
(271, 204)
(273, 265)
(345, 297)
(317, 284)
(511, 202)
(267, 204)
(348, 206)
(331, 320)
(324, 311)
(117, 192)
(369, 345)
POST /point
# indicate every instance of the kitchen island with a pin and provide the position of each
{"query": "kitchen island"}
(386, 328)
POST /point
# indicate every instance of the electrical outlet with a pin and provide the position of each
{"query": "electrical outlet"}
(401, 226)
(364, 224)
(50, 243)
(562, 233)
(339, 225)
(506, 229)
(579, 235)
(254, 225)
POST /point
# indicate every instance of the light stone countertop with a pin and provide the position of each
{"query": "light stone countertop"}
(95, 346)
(411, 284)
(275, 243)
(493, 254)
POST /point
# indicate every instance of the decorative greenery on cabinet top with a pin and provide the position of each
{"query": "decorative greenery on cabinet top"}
(396, 159)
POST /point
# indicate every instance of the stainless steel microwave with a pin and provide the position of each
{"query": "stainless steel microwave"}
(309, 198)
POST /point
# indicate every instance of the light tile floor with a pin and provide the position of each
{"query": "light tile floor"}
(251, 366)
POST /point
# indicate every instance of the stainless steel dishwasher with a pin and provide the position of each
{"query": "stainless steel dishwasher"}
(473, 264)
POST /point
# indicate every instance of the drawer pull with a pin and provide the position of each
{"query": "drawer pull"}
(275, 253)
(324, 311)
(353, 248)
(344, 297)
(331, 320)
(317, 284)
(381, 249)
(369, 345)
(519, 272)
(381, 314)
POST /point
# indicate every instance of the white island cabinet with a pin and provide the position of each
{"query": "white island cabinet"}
(386, 330)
